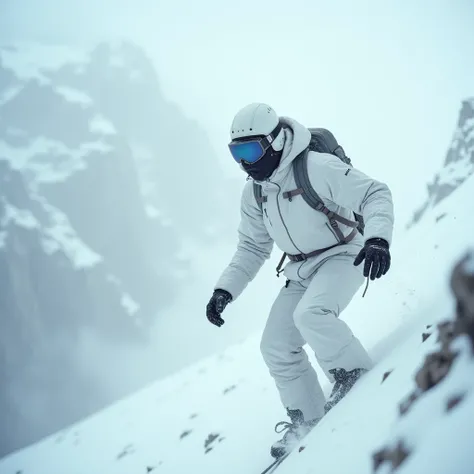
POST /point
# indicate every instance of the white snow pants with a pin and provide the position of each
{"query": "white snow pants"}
(308, 312)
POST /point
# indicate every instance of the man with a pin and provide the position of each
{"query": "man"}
(323, 274)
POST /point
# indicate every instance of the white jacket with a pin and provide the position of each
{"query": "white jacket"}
(297, 228)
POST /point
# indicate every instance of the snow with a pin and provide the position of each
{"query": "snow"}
(57, 235)
(97, 146)
(21, 217)
(456, 172)
(151, 211)
(32, 60)
(468, 125)
(67, 160)
(129, 304)
(60, 235)
(74, 95)
(9, 94)
(430, 415)
(99, 124)
(218, 414)
(469, 133)
(114, 279)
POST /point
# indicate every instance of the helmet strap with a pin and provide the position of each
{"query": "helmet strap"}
(269, 139)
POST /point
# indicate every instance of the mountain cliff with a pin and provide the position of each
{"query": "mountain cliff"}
(100, 175)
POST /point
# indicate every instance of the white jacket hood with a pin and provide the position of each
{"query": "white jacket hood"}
(297, 138)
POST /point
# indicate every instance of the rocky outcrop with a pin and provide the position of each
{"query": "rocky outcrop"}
(458, 165)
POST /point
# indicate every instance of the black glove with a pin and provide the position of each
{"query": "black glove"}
(219, 300)
(377, 258)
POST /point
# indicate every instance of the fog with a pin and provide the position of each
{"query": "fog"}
(386, 79)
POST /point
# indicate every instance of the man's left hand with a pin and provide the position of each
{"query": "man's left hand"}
(377, 258)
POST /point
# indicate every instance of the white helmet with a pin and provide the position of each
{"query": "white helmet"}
(257, 119)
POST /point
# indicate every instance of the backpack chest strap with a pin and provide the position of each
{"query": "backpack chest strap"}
(291, 194)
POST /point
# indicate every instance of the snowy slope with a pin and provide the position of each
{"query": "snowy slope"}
(217, 415)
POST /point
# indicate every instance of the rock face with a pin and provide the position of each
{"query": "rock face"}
(101, 181)
(458, 164)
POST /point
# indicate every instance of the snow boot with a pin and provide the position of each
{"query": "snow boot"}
(345, 380)
(296, 431)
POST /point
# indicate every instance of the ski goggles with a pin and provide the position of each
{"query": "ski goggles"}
(252, 149)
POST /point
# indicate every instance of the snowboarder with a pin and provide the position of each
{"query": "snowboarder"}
(324, 271)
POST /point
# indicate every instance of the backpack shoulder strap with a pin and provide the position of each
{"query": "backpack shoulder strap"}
(300, 171)
(309, 194)
(257, 192)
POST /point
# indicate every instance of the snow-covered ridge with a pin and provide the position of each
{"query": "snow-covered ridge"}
(32, 60)
(56, 235)
(458, 165)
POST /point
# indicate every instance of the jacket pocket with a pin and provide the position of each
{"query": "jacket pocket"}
(265, 213)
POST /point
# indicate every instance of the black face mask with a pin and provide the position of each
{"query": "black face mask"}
(265, 166)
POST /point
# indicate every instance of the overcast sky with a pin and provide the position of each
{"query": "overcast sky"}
(386, 77)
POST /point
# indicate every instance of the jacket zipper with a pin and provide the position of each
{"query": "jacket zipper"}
(282, 220)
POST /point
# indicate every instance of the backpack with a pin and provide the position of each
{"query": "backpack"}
(322, 141)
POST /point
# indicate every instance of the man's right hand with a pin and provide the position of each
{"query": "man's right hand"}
(219, 300)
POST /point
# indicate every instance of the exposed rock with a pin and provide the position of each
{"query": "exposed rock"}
(406, 404)
(454, 401)
(229, 389)
(185, 433)
(446, 332)
(386, 375)
(127, 450)
(210, 440)
(394, 456)
(434, 369)
(425, 336)
(462, 285)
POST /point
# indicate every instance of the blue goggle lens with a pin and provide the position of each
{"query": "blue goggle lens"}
(250, 151)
